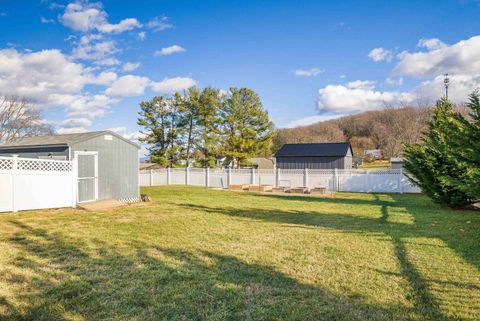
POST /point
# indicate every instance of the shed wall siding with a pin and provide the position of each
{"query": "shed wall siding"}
(117, 167)
(312, 162)
(29, 152)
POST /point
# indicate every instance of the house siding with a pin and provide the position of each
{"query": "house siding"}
(314, 162)
(35, 152)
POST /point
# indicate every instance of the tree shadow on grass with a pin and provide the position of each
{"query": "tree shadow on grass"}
(148, 282)
(425, 303)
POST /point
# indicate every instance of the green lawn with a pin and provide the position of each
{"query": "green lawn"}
(198, 254)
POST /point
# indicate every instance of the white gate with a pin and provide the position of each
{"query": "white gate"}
(87, 164)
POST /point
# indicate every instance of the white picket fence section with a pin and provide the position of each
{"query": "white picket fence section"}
(366, 181)
(27, 184)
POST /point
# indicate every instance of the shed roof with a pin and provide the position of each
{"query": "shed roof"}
(314, 150)
(60, 140)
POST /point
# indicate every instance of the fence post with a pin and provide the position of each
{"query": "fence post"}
(252, 180)
(277, 177)
(400, 177)
(367, 179)
(229, 177)
(187, 175)
(151, 177)
(169, 175)
(336, 184)
(305, 177)
(14, 179)
(207, 176)
(75, 181)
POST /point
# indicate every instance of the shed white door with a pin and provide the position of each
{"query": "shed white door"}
(87, 163)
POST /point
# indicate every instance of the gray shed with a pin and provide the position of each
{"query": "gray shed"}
(315, 156)
(107, 162)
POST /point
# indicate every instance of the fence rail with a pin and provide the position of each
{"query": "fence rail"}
(344, 180)
(27, 184)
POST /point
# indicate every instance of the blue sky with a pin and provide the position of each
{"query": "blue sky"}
(87, 65)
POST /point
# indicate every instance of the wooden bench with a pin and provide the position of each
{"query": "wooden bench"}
(239, 187)
(299, 190)
(280, 189)
(260, 188)
(319, 191)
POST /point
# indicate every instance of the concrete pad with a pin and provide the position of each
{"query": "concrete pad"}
(101, 205)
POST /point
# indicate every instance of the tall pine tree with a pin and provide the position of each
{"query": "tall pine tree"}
(246, 127)
(208, 143)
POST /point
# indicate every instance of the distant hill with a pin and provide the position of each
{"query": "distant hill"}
(386, 129)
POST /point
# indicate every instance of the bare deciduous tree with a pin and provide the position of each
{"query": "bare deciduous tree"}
(18, 118)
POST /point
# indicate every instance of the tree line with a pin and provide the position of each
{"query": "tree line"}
(445, 163)
(199, 127)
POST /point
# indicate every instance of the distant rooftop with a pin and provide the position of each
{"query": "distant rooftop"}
(314, 150)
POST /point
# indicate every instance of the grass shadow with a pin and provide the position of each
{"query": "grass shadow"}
(150, 282)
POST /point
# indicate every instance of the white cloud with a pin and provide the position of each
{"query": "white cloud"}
(91, 106)
(169, 85)
(169, 50)
(135, 136)
(124, 25)
(39, 74)
(312, 120)
(45, 20)
(345, 98)
(118, 130)
(142, 35)
(462, 58)
(84, 17)
(107, 62)
(94, 47)
(308, 72)
(361, 84)
(76, 122)
(381, 54)
(71, 130)
(130, 66)
(394, 81)
(128, 85)
(431, 44)
(159, 24)
(105, 78)
(460, 87)
(51, 79)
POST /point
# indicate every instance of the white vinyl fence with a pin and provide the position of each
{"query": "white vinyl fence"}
(27, 184)
(381, 181)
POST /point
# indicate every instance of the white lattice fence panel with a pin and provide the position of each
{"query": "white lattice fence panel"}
(44, 165)
(27, 184)
(6, 164)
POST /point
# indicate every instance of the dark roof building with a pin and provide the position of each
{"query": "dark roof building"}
(107, 162)
(315, 156)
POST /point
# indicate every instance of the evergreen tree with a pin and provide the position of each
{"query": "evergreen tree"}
(433, 164)
(208, 125)
(158, 116)
(246, 127)
(189, 108)
(467, 149)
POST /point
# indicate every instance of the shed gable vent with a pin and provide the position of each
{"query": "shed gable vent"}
(108, 137)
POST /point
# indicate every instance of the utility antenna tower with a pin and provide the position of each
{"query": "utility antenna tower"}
(446, 83)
